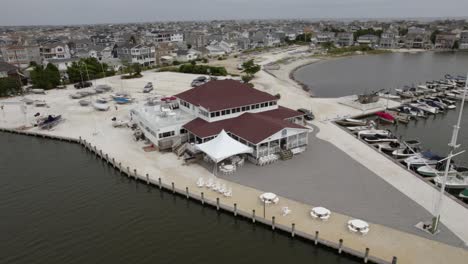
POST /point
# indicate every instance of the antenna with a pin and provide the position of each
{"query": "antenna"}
(453, 146)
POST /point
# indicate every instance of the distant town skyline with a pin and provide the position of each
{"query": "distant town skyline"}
(59, 12)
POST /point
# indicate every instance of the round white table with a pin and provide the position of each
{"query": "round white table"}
(269, 197)
(359, 224)
(320, 211)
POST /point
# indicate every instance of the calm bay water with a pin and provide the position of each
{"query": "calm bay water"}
(360, 74)
(59, 204)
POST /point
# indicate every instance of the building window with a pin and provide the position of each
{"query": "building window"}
(247, 107)
(183, 131)
(244, 108)
(166, 134)
(228, 111)
(238, 109)
(212, 114)
(223, 112)
(217, 113)
(271, 103)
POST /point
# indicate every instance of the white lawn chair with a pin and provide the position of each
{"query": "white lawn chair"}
(285, 211)
(222, 189)
(200, 182)
(209, 184)
(228, 193)
(216, 186)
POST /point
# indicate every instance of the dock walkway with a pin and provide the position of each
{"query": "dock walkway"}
(165, 171)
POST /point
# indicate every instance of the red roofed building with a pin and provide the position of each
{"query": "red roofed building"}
(248, 115)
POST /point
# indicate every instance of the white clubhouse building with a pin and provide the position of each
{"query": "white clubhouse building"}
(198, 115)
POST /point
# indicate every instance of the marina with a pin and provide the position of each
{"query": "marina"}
(141, 160)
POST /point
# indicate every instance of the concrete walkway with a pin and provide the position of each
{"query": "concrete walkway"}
(326, 175)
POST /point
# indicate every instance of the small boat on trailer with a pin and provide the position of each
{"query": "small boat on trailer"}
(49, 122)
(379, 138)
(352, 122)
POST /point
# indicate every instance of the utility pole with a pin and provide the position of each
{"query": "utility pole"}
(453, 146)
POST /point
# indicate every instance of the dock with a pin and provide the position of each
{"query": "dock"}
(381, 245)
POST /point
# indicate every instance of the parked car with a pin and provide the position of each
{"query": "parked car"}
(308, 115)
(199, 81)
(148, 87)
(83, 85)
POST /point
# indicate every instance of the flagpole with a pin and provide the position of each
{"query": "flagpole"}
(453, 146)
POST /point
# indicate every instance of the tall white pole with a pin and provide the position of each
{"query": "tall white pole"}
(453, 146)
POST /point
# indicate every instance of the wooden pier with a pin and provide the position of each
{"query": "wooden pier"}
(381, 245)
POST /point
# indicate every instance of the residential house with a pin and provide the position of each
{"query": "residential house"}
(368, 39)
(21, 55)
(417, 38)
(344, 39)
(388, 40)
(163, 36)
(54, 50)
(163, 51)
(324, 37)
(141, 54)
(187, 55)
(445, 41)
(196, 39)
(463, 42)
(103, 40)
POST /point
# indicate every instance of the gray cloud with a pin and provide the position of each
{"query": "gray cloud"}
(39, 12)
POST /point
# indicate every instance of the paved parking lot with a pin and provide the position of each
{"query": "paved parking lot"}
(326, 176)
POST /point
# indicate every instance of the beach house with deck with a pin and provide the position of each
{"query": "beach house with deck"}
(198, 115)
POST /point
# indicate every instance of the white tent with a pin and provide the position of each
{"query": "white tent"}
(223, 146)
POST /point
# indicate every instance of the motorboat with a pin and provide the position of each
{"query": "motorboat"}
(359, 128)
(379, 138)
(457, 181)
(148, 87)
(101, 105)
(412, 111)
(435, 170)
(37, 91)
(386, 117)
(49, 122)
(374, 132)
(102, 88)
(426, 108)
(422, 159)
(388, 146)
(123, 100)
(435, 104)
(84, 102)
(351, 122)
(388, 95)
(119, 123)
(406, 152)
(404, 93)
(40, 103)
(76, 96)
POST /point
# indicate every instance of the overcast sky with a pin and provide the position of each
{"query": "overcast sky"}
(56, 12)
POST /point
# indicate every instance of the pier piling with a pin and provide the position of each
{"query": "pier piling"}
(134, 173)
(316, 237)
(366, 255)
(273, 223)
(217, 203)
(340, 246)
(120, 167)
(173, 187)
(235, 209)
(147, 178)
(253, 216)
(394, 260)
(128, 171)
(187, 192)
(160, 184)
(202, 198)
(293, 229)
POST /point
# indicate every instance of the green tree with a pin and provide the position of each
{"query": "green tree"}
(434, 35)
(247, 78)
(328, 45)
(402, 31)
(45, 78)
(88, 67)
(455, 45)
(132, 40)
(250, 67)
(9, 86)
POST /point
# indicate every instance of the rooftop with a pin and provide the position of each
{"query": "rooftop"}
(253, 127)
(224, 94)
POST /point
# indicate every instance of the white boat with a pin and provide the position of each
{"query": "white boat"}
(358, 128)
(352, 122)
(102, 88)
(422, 159)
(40, 103)
(101, 106)
(374, 132)
(38, 91)
(119, 123)
(377, 139)
(458, 181)
(387, 146)
(438, 169)
(405, 152)
(388, 96)
(84, 102)
(425, 108)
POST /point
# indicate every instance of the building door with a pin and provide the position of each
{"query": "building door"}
(283, 143)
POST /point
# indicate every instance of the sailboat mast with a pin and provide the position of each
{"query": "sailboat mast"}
(453, 146)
